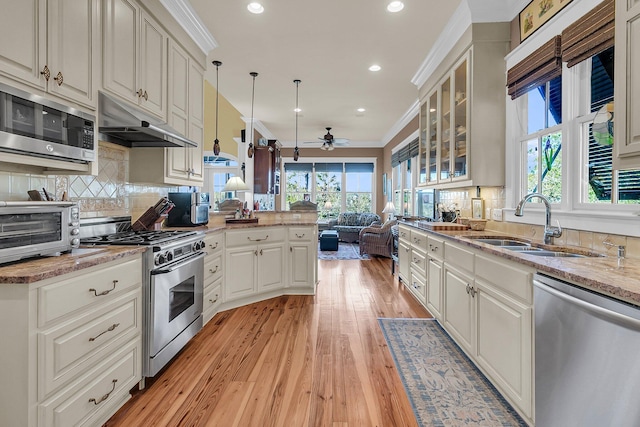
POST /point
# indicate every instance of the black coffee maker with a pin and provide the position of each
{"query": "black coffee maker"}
(190, 210)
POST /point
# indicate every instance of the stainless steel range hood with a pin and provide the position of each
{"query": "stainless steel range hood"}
(126, 125)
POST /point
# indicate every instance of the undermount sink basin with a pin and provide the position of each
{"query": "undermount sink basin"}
(558, 254)
(501, 241)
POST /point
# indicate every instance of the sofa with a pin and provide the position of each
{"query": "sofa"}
(349, 224)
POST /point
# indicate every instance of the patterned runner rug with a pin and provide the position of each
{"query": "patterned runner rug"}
(345, 251)
(443, 385)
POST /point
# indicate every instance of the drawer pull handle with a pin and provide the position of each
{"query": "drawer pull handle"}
(213, 247)
(257, 240)
(299, 236)
(106, 396)
(213, 271)
(109, 329)
(103, 292)
(213, 301)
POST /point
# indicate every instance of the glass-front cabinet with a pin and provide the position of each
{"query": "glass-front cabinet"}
(443, 129)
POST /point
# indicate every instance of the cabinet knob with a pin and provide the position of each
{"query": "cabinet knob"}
(142, 94)
(46, 73)
(58, 78)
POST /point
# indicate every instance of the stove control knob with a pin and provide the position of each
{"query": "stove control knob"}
(169, 256)
(160, 258)
(198, 245)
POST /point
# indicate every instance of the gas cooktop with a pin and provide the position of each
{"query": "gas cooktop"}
(146, 238)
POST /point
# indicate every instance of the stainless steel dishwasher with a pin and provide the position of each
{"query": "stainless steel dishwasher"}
(587, 357)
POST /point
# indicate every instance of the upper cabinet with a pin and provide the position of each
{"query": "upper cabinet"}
(462, 112)
(627, 84)
(54, 48)
(135, 56)
(266, 168)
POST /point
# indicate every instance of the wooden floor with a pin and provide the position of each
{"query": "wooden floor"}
(290, 361)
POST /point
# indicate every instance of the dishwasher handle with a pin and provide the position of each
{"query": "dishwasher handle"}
(621, 319)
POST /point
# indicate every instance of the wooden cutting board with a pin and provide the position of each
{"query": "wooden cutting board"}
(444, 226)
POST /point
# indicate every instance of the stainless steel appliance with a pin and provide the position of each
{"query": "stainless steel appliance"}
(35, 126)
(29, 229)
(191, 209)
(172, 289)
(586, 357)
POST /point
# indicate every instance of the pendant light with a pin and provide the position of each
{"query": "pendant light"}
(253, 92)
(296, 152)
(216, 142)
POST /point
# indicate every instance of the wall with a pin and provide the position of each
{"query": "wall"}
(229, 121)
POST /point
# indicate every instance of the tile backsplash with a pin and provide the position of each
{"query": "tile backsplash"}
(107, 194)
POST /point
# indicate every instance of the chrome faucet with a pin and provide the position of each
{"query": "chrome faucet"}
(549, 231)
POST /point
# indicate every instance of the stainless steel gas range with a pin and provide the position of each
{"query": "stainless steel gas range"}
(172, 284)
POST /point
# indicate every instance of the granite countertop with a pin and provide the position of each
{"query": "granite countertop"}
(46, 267)
(618, 278)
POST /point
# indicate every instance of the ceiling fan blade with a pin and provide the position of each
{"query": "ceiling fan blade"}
(340, 141)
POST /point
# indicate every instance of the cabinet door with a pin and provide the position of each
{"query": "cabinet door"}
(240, 267)
(422, 152)
(23, 29)
(459, 140)
(404, 261)
(458, 307)
(301, 265)
(153, 67)
(120, 59)
(432, 138)
(434, 287)
(196, 121)
(445, 130)
(504, 337)
(71, 49)
(262, 171)
(270, 267)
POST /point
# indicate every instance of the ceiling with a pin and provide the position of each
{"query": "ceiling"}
(328, 45)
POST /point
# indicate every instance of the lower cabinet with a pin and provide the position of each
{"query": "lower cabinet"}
(74, 349)
(434, 287)
(254, 262)
(213, 275)
(404, 260)
(303, 258)
(459, 307)
(417, 285)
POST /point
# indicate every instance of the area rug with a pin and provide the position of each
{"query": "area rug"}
(443, 385)
(345, 251)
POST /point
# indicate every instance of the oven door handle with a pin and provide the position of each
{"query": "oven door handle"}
(179, 264)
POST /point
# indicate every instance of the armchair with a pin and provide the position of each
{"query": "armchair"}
(377, 239)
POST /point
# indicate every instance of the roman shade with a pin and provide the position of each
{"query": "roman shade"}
(405, 153)
(590, 35)
(298, 167)
(542, 65)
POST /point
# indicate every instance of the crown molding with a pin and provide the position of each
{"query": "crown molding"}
(406, 118)
(260, 127)
(186, 16)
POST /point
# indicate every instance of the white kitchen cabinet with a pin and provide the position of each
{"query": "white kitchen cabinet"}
(54, 48)
(463, 112)
(254, 263)
(73, 338)
(459, 307)
(213, 275)
(303, 258)
(404, 253)
(134, 56)
(627, 84)
(434, 287)
(417, 285)
(182, 165)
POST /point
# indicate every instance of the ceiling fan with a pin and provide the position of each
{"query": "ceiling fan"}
(329, 141)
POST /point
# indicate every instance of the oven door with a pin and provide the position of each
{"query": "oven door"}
(176, 300)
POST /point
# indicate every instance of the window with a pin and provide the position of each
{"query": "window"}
(359, 180)
(218, 170)
(328, 188)
(298, 177)
(542, 147)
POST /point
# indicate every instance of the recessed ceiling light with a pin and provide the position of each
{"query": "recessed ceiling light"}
(395, 6)
(255, 7)
(361, 110)
(375, 68)
(297, 110)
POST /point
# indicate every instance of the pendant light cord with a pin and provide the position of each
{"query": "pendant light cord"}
(253, 92)
(297, 82)
(217, 64)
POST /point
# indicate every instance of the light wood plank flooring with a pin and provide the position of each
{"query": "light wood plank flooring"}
(290, 361)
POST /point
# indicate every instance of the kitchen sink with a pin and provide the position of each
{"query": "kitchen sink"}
(501, 241)
(546, 253)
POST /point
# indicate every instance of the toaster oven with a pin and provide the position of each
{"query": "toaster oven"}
(29, 229)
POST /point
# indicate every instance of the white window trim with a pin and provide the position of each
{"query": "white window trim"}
(572, 214)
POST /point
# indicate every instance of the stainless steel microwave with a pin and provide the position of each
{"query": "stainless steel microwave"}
(29, 229)
(33, 125)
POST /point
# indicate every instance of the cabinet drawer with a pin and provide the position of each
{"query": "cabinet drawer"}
(404, 233)
(459, 256)
(255, 236)
(86, 402)
(213, 243)
(212, 300)
(508, 277)
(213, 268)
(418, 261)
(435, 247)
(76, 346)
(302, 234)
(418, 285)
(96, 285)
(419, 239)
